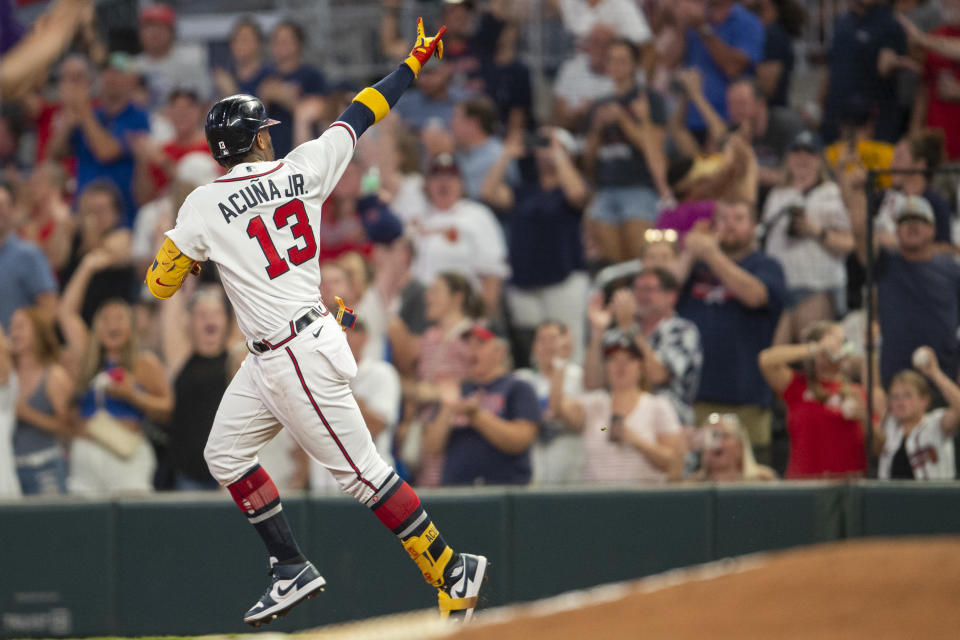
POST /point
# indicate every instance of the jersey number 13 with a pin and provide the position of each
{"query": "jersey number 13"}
(257, 229)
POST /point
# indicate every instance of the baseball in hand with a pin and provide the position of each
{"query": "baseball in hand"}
(921, 358)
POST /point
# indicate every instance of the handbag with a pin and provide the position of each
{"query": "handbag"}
(109, 432)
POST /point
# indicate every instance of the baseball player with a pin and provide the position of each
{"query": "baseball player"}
(259, 223)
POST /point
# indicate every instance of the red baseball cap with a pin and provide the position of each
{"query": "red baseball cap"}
(481, 331)
(159, 12)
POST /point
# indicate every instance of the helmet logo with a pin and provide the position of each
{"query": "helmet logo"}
(223, 147)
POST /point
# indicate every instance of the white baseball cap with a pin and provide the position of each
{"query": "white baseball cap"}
(916, 207)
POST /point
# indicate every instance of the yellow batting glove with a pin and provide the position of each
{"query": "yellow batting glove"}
(425, 47)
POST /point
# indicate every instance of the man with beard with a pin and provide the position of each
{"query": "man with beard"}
(734, 294)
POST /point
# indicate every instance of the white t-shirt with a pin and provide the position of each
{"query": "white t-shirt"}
(806, 263)
(260, 223)
(9, 484)
(149, 217)
(466, 239)
(410, 202)
(929, 449)
(623, 16)
(558, 460)
(184, 68)
(608, 462)
(578, 84)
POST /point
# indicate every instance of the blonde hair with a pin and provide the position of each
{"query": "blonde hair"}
(46, 348)
(730, 422)
(912, 379)
(93, 357)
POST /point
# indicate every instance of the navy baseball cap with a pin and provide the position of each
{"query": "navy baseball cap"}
(806, 141)
(621, 341)
(379, 223)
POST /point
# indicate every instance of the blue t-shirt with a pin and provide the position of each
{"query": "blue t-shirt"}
(778, 47)
(130, 122)
(417, 110)
(251, 85)
(918, 303)
(544, 237)
(509, 86)
(471, 458)
(311, 83)
(26, 274)
(742, 30)
(852, 61)
(732, 334)
(475, 163)
(941, 214)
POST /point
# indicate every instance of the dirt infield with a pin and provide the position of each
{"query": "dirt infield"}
(871, 589)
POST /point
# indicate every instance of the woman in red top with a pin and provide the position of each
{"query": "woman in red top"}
(826, 412)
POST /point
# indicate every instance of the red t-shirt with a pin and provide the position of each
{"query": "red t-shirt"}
(822, 441)
(43, 130)
(338, 237)
(941, 114)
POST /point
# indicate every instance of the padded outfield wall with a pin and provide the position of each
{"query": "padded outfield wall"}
(189, 564)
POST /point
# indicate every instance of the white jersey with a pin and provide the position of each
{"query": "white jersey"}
(260, 223)
(929, 449)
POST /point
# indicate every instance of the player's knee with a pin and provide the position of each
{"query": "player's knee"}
(373, 472)
(223, 467)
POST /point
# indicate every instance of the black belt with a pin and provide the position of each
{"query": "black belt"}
(296, 326)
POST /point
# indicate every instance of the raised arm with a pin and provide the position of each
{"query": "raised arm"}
(946, 46)
(71, 302)
(371, 105)
(748, 289)
(495, 191)
(929, 367)
(775, 364)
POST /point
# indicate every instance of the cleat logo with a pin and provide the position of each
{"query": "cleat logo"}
(291, 584)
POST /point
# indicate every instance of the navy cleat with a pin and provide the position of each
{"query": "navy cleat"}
(289, 585)
(458, 597)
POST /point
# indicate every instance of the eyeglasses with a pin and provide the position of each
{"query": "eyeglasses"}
(660, 235)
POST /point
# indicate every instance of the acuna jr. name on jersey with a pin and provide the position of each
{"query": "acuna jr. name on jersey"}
(258, 192)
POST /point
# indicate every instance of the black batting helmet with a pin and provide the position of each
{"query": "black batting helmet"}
(232, 125)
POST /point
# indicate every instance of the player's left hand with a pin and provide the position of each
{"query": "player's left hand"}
(425, 47)
(346, 317)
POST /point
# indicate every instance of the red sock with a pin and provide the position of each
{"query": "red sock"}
(257, 496)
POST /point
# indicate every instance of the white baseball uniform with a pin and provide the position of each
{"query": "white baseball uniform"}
(928, 447)
(260, 224)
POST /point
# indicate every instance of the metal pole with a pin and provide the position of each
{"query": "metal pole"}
(870, 189)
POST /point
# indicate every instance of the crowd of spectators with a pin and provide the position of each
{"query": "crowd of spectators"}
(644, 266)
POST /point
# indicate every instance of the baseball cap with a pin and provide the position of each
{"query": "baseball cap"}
(159, 12)
(617, 340)
(197, 168)
(806, 141)
(916, 208)
(444, 163)
(379, 223)
(482, 331)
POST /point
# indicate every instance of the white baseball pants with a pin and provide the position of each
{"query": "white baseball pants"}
(302, 385)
